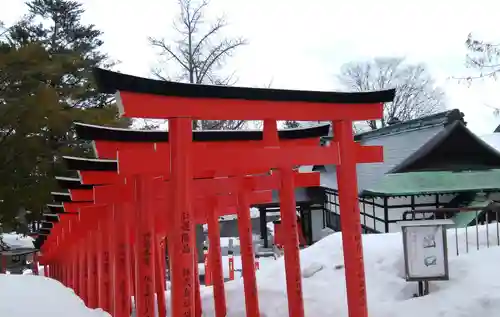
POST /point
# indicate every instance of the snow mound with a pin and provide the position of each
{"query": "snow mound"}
(471, 291)
(27, 295)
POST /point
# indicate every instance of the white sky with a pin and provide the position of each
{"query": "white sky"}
(300, 44)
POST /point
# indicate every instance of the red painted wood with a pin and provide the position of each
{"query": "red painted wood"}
(208, 272)
(83, 271)
(99, 177)
(74, 271)
(247, 259)
(288, 212)
(160, 280)
(81, 194)
(122, 266)
(205, 187)
(145, 257)
(92, 288)
(35, 263)
(103, 280)
(178, 204)
(350, 222)
(110, 264)
(109, 149)
(216, 262)
(183, 278)
(228, 161)
(136, 105)
(74, 207)
(231, 267)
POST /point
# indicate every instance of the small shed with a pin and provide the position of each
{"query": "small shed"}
(16, 253)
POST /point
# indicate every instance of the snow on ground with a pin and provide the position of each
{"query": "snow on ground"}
(28, 295)
(471, 290)
(14, 240)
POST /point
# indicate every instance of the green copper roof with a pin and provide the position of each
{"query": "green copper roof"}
(431, 182)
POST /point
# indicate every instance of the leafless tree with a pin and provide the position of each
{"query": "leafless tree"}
(483, 56)
(200, 51)
(416, 92)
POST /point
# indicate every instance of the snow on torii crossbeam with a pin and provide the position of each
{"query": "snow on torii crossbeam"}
(180, 103)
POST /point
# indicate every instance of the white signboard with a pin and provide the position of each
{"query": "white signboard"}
(425, 250)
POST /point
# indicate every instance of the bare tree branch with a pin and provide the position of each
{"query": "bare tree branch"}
(199, 51)
(166, 50)
(416, 92)
(217, 54)
(483, 56)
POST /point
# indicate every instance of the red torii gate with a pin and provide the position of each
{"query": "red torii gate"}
(102, 195)
(180, 103)
(135, 135)
(86, 196)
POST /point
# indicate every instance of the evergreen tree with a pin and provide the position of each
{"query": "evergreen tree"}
(46, 85)
(70, 44)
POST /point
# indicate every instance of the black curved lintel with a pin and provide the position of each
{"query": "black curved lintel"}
(51, 217)
(95, 133)
(110, 82)
(61, 197)
(84, 164)
(71, 183)
(47, 224)
(39, 241)
(55, 209)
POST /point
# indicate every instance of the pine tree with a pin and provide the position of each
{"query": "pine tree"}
(46, 85)
(74, 46)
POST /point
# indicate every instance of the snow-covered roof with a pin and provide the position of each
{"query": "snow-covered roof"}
(17, 241)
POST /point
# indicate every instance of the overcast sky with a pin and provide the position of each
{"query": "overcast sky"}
(300, 44)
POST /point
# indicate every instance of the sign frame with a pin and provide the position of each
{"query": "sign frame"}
(440, 225)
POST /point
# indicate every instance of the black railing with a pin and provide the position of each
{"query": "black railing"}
(480, 230)
(331, 213)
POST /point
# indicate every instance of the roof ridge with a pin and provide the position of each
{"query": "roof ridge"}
(441, 118)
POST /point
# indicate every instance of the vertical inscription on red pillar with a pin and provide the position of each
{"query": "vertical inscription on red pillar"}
(186, 273)
(183, 296)
(148, 278)
(121, 277)
(360, 266)
(105, 277)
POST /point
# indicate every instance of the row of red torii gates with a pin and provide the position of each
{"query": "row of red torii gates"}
(146, 190)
